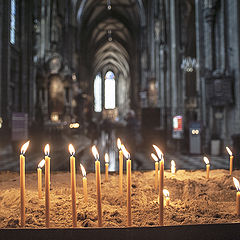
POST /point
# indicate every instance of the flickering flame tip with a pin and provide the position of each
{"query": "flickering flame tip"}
(206, 160)
(95, 153)
(125, 152)
(236, 183)
(229, 151)
(24, 147)
(119, 144)
(83, 170)
(47, 150)
(165, 192)
(41, 163)
(154, 157)
(106, 157)
(71, 149)
(158, 151)
(173, 166)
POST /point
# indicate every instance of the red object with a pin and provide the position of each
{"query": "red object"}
(177, 123)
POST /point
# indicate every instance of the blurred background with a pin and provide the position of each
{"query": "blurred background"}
(86, 72)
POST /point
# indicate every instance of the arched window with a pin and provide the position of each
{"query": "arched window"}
(109, 91)
(98, 94)
(13, 22)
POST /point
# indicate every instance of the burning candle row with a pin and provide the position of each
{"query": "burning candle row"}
(159, 181)
(46, 162)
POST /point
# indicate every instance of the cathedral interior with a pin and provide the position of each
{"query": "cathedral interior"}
(162, 72)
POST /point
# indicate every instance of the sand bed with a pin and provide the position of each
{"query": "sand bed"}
(193, 200)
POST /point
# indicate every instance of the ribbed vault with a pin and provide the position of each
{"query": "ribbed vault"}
(110, 40)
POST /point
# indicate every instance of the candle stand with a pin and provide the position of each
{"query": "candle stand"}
(186, 232)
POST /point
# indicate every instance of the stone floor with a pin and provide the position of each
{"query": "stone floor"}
(59, 157)
(9, 161)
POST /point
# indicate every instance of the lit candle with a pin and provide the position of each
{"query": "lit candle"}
(84, 183)
(231, 160)
(167, 198)
(236, 183)
(155, 158)
(98, 184)
(161, 184)
(207, 166)
(39, 173)
(161, 179)
(119, 144)
(106, 157)
(47, 184)
(73, 184)
(158, 151)
(173, 167)
(129, 211)
(22, 181)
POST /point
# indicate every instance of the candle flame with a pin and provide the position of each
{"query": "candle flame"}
(155, 158)
(206, 160)
(24, 147)
(47, 150)
(41, 163)
(95, 153)
(173, 166)
(106, 157)
(119, 143)
(229, 151)
(83, 170)
(125, 152)
(165, 193)
(236, 183)
(71, 149)
(158, 151)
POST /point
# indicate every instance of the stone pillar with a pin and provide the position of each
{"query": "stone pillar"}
(24, 64)
(157, 59)
(162, 86)
(209, 14)
(5, 74)
(233, 30)
(1, 57)
(151, 37)
(42, 31)
(200, 60)
(173, 33)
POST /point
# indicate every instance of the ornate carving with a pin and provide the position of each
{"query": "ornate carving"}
(162, 23)
(219, 90)
(157, 30)
(210, 9)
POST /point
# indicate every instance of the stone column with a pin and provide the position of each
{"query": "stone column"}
(162, 86)
(1, 58)
(209, 14)
(5, 74)
(173, 32)
(157, 59)
(151, 37)
(42, 31)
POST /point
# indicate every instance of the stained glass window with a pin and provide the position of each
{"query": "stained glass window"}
(13, 22)
(109, 90)
(98, 94)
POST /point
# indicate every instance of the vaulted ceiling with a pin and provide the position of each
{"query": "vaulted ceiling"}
(109, 37)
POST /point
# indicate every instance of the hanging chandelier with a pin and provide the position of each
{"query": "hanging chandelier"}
(109, 35)
(189, 64)
(109, 6)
